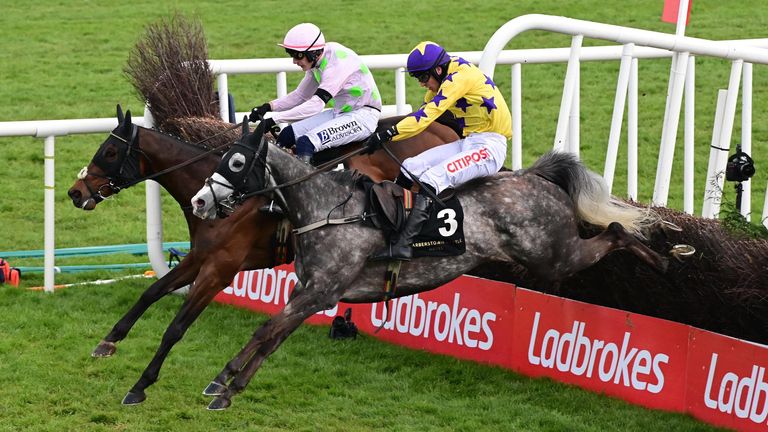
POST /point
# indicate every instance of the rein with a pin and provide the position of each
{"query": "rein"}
(180, 165)
(319, 169)
(115, 188)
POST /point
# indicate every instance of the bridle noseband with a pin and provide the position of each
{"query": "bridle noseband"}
(128, 170)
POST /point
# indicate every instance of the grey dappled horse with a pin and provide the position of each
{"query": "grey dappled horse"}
(529, 216)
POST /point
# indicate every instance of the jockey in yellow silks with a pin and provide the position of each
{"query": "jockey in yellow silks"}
(458, 86)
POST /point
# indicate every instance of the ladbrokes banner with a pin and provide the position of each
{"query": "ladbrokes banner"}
(647, 361)
(727, 383)
(636, 358)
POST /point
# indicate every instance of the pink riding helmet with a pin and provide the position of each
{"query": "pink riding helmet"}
(304, 37)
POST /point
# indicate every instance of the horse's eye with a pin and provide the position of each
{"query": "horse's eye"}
(237, 162)
(110, 152)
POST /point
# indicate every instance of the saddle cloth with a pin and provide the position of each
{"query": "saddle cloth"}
(441, 235)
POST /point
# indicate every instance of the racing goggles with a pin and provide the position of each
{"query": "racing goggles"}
(298, 55)
(421, 76)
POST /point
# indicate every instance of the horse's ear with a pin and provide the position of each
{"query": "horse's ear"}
(263, 148)
(245, 126)
(254, 138)
(127, 122)
(120, 116)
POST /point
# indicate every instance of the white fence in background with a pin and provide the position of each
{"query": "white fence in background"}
(636, 44)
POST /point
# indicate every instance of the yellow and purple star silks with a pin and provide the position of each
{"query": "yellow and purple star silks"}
(470, 95)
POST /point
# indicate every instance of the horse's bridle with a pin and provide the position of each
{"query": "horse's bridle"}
(128, 171)
(227, 206)
(136, 177)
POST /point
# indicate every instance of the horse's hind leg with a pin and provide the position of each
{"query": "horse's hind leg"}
(625, 240)
(586, 253)
(181, 275)
(266, 340)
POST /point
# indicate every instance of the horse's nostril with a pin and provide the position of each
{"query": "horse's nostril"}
(74, 194)
(200, 203)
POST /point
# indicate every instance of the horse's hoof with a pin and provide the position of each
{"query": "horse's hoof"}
(214, 389)
(132, 398)
(104, 349)
(681, 251)
(219, 404)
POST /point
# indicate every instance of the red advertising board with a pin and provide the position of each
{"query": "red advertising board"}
(644, 360)
(727, 382)
(469, 318)
(634, 357)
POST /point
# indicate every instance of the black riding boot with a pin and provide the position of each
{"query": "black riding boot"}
(401, 249)
(306, 158)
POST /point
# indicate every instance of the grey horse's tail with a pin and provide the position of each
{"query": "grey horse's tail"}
(590, 193)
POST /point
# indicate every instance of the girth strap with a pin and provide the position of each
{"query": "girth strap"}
(328, 221)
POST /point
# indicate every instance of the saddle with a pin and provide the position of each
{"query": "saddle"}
(388, 205)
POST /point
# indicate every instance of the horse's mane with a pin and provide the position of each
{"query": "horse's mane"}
(347, 177)
(204, 132)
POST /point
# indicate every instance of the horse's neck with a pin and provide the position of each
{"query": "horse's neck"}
(163, 152)
(312, 198)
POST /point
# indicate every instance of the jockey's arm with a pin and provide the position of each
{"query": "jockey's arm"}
(307, 109)
(435, 104)
(298, 104)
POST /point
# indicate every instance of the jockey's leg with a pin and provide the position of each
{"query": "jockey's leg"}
(287, 139)
(302, 129)
(304, 149)
(401, 249)
(343, 128)
(482, 155)
(441, 168)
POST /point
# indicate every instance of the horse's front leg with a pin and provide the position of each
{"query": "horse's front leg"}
(269, 337)
(219, 384)
(199, 297)
(181, 275)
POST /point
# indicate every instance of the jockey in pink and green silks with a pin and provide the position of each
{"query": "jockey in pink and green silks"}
(334, 75)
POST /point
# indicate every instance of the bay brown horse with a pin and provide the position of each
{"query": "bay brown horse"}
(219, 249)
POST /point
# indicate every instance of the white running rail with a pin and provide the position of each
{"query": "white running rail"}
(636, 44)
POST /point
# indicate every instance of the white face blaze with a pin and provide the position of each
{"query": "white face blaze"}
(203, 203)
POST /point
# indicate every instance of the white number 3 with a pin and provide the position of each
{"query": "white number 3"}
(450, 221)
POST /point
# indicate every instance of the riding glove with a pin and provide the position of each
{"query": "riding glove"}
(270, 126)
(258, 112)
(378, 139)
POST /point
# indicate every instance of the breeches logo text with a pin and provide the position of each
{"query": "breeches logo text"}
(747, 397)
(466, 160)
(579, 355)
(455, 324)
(331, 134)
